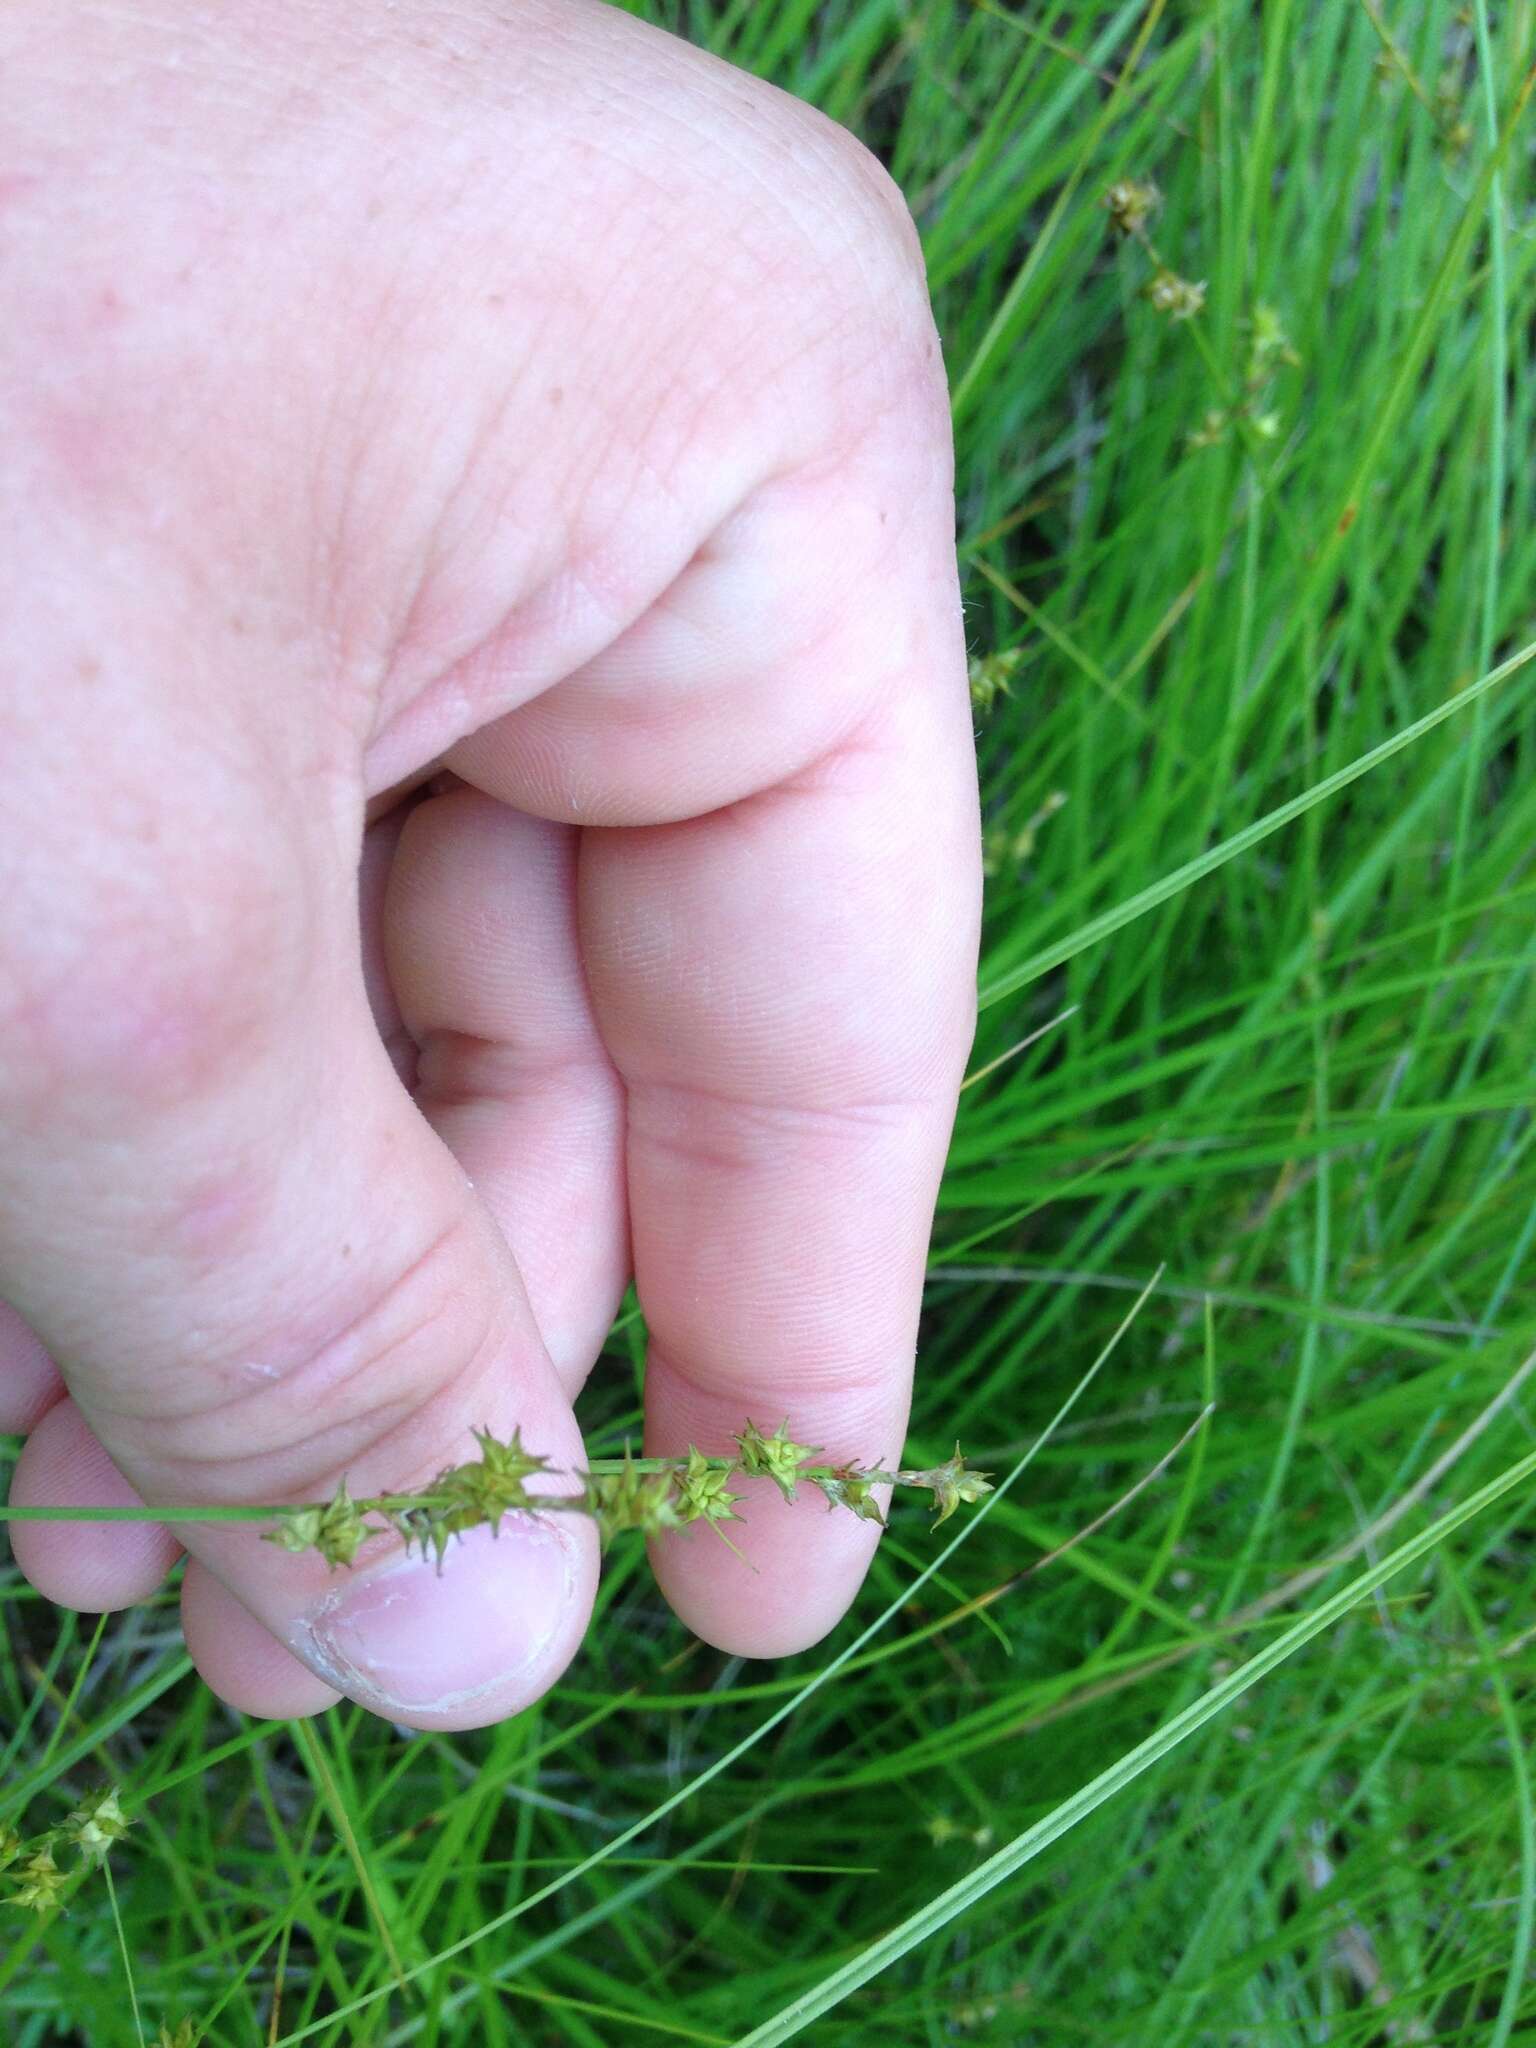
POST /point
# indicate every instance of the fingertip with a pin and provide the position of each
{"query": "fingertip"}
(29, 1379)
(799, 1570)
(465, 1641)
(94, 1567)
(240, 1660)
(801, 1563)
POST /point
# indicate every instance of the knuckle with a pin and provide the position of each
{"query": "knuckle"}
(871, 246)
(875, 208)
(836, 186)
(863, 297)
(835, 267)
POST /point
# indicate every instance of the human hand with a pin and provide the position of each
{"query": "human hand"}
(530, 412)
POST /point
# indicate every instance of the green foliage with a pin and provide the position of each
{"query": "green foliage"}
(1226, 558)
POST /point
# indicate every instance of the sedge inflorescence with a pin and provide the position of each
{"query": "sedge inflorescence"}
(35, 1879)
(1130, 204)
(647, 1495)
(1248, 387)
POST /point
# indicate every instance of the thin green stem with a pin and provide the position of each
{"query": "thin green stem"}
(405, 1503)
(122, 1944)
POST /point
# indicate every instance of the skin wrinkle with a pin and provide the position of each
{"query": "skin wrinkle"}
(344, 431)
(349, 1397)
(313, 1372)
(297, 1464)
(571, 652)
(617, 623)
(854, 1392)
(445, 712)
(465, 1066)
(641, 453)
(453, 262)
(385, 482)
(400, 1437)
(764, 1125)
(713, 1410)
(803, 1361)
(788, 774)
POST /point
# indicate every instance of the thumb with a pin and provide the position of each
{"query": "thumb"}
(259, 1269)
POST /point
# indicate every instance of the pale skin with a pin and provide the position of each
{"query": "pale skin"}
(489, 808)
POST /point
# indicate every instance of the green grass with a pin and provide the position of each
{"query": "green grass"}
(1292, 1068)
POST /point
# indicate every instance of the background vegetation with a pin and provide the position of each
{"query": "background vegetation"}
(1214, 560)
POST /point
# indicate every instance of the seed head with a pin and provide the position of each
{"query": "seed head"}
(509, 1463)
(630, 1499)
(1268, 342)
(991, 674)
(703, 1491)
(950, 1483)
(475, 1494)
(1129, 202)
(39, 1881)
(777, 1457)
(492, 1485)
(94, 1826)
(1212, 430)
(1181, 298)
(850, 1486)
(337, 1530)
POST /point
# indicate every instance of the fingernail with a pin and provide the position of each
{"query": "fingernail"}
(413, 1639)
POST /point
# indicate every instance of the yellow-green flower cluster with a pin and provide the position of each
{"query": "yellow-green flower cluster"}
(1130, 203)
(335, 1528)
(991, 676)
(1181, 298)
(34, 1875)
(648, 1495)
(950, 1483)
(630, 1499)
(777, 1457)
